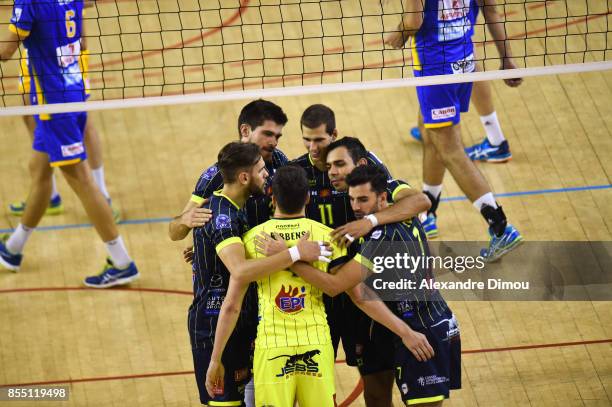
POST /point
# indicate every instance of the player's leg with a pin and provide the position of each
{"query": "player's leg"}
(93, 144)
(433, 175)
(494, 148)
(55, 206)
(274, 376)
(12, 246)
(441, 106)
(378, 389)
(315, 382)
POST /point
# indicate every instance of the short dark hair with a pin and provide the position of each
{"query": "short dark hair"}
(290, 188)
(374, 174)
(316, 115)
(236, 157)
(258, 111)
(355, 148)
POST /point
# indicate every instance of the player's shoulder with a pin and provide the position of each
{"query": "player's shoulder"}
(279, 159)
(301, 161)
(374, 160)
(382, 233)
(210, 172)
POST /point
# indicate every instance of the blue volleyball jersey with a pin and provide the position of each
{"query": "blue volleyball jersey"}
(52, 32)
(443, 44)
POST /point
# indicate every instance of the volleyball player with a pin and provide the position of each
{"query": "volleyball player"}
(441, 33)
(58, 138)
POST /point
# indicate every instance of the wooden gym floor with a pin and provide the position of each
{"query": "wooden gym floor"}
(130, 347)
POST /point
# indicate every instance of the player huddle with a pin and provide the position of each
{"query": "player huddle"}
(271, 238)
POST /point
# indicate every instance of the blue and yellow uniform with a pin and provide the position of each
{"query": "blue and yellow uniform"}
(51, 31)
(210, 283)
(443, 45)
(257, 208)
(294, 358)
(424, 311)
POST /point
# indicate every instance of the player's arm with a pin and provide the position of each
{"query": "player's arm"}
(497, 28)
(228, 317)
(10, 43)
(245, 270)
(367, 301)
(412, 19)
(344, 278)
(408, 203)
(193, 215)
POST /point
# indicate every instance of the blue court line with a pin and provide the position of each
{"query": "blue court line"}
(449, 199)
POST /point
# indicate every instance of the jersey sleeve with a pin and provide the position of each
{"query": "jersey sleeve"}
(374, 160)
(22, 19)
(339, 256)
(374, 245)
(210, 181)
(394, 186)
(227, 229)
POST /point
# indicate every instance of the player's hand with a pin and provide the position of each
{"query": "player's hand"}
(188, 255)
(346, 234)
(196, 217)
(269, 245)
(313, 251)
(214, 379)
(507, 63)
(398, 38)
(418, 345)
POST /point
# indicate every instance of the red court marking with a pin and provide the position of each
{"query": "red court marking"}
(540, 346)
(354, 394)
(243, 6)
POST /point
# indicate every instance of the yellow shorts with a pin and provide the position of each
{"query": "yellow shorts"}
(302, 373)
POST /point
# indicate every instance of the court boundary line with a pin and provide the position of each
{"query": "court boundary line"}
(147, 221)
(185, 372)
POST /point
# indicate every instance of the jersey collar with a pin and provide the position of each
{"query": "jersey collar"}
(219, 193)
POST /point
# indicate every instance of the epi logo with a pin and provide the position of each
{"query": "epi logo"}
(291, 300)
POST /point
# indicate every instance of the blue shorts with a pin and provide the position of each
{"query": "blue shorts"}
(442, 105)
(237, 361)
(61, 137)
(431, 381)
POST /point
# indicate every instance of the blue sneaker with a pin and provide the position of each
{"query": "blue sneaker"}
(416, 134)
(55, 207)
(498, 246)
(112, 276)
(9, 260)
(485, 151)
(430, 227)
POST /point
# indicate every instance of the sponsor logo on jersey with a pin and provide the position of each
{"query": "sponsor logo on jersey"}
(443, 113)
(223, 221)
(301, 364)
(291, 300)
(72, 149)
(211, 172)
(465, 65)
(17, 14)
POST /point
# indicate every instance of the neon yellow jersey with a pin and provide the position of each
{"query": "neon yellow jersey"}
(291, 311)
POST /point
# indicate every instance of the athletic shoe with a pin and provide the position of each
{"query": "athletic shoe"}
(499, 246)
(55, 207)
(9, 260)
(485, 151)
(416, 134)
(430, 227)
(112, 276)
